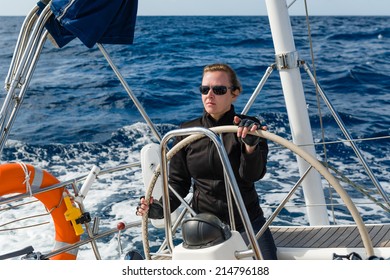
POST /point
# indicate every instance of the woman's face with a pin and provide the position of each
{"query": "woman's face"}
(217, 105)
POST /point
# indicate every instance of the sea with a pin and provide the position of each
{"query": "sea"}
(76, 114)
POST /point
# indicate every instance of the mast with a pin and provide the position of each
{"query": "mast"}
(287, 64)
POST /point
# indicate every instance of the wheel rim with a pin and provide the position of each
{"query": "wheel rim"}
(285, 143)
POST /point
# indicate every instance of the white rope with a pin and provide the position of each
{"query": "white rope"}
(27, 177)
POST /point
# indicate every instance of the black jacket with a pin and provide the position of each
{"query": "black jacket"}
(199, 163)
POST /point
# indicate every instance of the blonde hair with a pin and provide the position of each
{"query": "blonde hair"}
(225, 68)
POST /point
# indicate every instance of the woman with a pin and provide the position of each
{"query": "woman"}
(199, 163)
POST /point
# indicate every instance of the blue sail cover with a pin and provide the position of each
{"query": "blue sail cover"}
(92, 21)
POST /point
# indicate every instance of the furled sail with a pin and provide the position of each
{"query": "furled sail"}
(92, 21)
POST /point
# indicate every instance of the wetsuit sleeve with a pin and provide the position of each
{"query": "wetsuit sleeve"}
(253, 166)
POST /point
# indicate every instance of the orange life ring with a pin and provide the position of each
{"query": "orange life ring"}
(13, 180)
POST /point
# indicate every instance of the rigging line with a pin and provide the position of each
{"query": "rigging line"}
(317, 96)
(25, 218)
(333, 204)
(337, 142)
(366, 192)
(24, 227)
(347, 141)
(291, 205)
(292, 3)
(10, 207)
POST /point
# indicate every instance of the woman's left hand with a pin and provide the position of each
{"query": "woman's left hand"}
(245, 126)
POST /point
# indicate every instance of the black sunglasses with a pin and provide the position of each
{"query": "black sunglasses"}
(218, 90)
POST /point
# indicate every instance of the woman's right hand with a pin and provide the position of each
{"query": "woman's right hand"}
(154, 207)
(143, 207)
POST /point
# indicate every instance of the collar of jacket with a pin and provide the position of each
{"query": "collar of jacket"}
(226, 119)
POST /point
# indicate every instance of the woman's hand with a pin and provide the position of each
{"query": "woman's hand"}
(248, 125)
(154, 207)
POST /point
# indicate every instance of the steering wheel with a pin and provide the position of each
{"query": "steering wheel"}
(283, 142)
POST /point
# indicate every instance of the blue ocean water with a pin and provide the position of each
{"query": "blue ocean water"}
(76, 113)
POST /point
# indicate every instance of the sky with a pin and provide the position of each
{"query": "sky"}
(230, 7)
